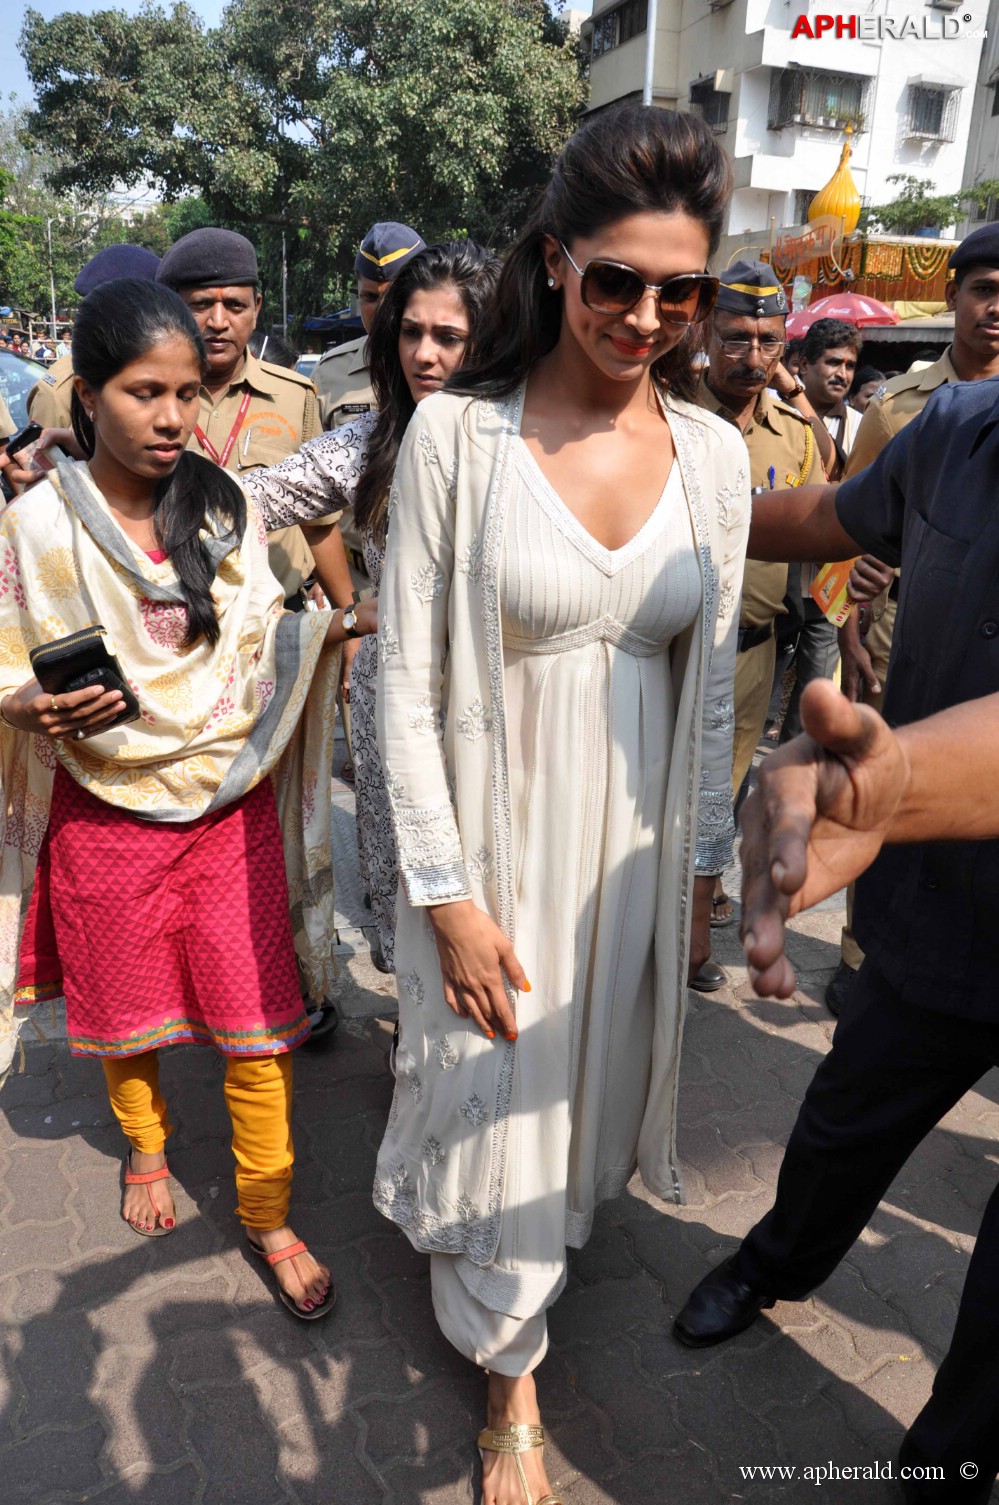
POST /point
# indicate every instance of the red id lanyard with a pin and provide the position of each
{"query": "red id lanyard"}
(208, 446)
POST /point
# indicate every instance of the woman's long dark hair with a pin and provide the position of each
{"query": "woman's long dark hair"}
(472, 272)
(115, 325)
(627, 161)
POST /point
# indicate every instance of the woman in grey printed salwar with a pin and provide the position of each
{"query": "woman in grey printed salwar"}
(557, 624)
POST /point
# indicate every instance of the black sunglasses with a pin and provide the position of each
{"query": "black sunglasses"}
(610, 287)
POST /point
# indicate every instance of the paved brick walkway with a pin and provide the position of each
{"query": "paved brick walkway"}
(162, 1372)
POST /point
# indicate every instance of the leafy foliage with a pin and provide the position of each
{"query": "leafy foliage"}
(915, 207)
(312, 117)
(80, 222)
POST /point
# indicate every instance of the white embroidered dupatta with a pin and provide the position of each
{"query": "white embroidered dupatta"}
(443, 741)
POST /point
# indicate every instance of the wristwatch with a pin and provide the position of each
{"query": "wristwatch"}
(350, 622)
(799, 387)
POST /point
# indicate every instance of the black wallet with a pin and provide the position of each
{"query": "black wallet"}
(79, 660)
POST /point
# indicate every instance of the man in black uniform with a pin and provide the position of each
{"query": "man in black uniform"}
(921, 1025)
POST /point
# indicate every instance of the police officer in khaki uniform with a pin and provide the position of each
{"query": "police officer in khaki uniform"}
(973, 355)
(746, 339)
(252, 413)
(342, 377)
(49, 399)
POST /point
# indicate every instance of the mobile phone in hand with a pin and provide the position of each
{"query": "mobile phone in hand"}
(25, 446)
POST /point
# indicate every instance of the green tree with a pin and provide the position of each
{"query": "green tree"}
(80, 223)
(915, 207)
(313, 117)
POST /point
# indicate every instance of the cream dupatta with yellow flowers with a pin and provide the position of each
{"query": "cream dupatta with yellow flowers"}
(215, 720)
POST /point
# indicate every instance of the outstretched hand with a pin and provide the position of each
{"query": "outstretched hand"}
(817, 820)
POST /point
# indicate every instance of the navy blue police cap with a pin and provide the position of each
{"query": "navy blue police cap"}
(753, 288)
(114, 262)
(209, 258)
(386, 249)
(979, 249)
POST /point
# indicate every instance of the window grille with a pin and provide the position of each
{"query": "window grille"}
(711, 105)
(931, 112)
(614, 27)
(802, 96)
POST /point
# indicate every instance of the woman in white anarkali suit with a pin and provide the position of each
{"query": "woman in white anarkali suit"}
(557, 632)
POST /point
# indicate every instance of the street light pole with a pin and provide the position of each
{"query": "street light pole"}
(650, 52)
(284, 282)
(48, 228)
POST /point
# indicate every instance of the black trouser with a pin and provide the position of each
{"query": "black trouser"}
(893, 1072)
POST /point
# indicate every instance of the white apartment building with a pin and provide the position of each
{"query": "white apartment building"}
(778, 101)
(982, 162)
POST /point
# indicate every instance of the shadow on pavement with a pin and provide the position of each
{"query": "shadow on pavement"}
(164, 1370)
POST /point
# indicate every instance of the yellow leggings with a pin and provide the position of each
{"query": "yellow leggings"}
(258, 1096)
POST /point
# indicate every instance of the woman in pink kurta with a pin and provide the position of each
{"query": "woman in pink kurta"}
(152, 848)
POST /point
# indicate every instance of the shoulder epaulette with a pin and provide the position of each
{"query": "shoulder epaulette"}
(285, 373)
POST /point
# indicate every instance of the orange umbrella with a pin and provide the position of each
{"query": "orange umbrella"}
(852, 308)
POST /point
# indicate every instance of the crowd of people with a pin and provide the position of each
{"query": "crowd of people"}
(45, 349)
(546, 536)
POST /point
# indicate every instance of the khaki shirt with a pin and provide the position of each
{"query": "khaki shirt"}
(343, 381)
(894, 405)
(283, 414)
(780, 437)
(50, 398)
(7, 424)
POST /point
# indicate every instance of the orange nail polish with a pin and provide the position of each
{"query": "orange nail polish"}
(490, 1034)
(509, 1037)
(526, 988)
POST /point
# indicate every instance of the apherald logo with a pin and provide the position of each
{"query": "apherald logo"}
(870, 28)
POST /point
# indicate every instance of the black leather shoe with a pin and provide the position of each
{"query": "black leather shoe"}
(709, 979)
(721, 1306)
(838, 991)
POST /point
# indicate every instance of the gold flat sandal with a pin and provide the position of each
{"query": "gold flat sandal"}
(519, 1437)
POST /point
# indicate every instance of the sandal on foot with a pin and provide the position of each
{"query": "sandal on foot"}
(718, 917)
(135, 1178)
(519, 1437)
(322, 1308)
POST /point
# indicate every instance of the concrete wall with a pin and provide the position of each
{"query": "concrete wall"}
(982, 161)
